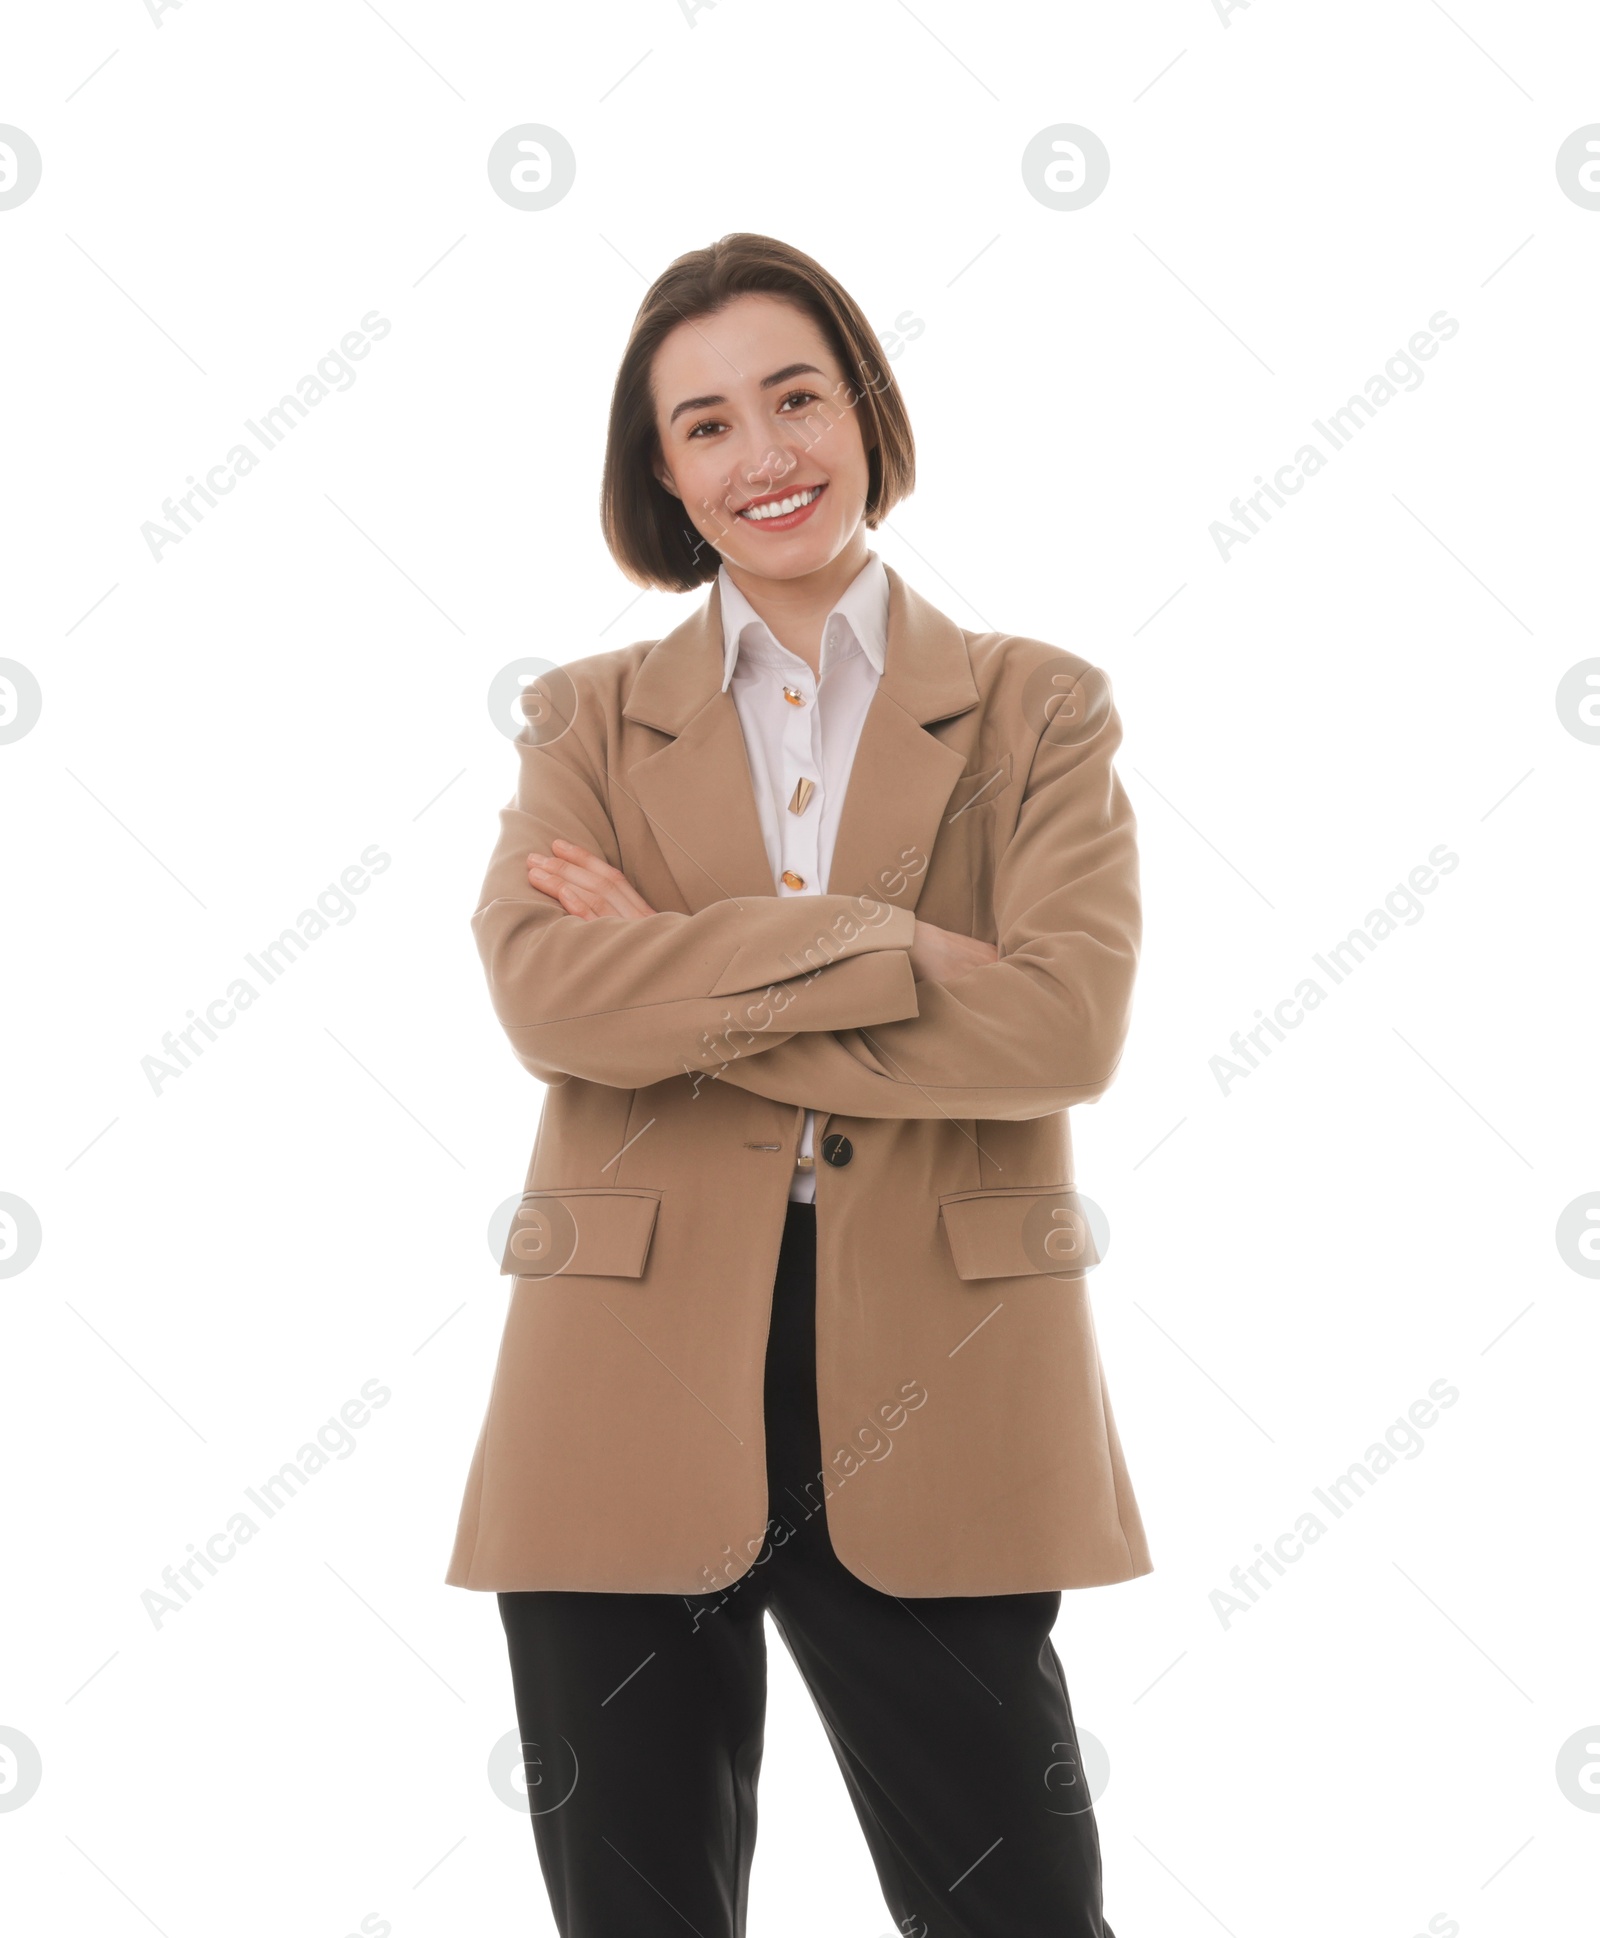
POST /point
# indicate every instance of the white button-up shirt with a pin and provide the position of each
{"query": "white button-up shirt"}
(814, 739)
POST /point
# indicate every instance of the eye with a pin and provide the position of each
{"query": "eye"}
(716, 423)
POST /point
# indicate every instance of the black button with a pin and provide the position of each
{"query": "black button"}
(837, 1149)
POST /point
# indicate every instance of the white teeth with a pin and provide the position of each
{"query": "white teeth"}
(782, 506)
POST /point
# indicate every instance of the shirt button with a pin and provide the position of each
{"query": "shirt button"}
(837, 1149)
(794, 696)
(792, 880)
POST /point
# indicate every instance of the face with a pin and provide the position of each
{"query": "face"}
(753, 410)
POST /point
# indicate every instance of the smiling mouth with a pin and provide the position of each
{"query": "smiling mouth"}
(777, 510)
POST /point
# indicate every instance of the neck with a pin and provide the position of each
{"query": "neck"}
(796, 610)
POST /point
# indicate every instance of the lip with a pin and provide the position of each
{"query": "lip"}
(794, 518)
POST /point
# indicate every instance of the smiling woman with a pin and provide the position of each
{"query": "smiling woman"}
(815, 916)
(780, 393)
(719, 501)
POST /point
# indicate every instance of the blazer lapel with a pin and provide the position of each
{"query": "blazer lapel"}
(698, 793)
(902, 777)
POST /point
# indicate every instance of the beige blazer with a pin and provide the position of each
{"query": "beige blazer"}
(967, 1436)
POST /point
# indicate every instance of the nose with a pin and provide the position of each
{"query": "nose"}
(768, 464)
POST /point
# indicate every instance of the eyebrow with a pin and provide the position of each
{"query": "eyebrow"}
(778, 377)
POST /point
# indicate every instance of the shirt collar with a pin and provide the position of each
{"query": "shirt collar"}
(863, 606)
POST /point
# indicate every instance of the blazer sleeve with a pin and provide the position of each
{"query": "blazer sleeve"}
(1043, 1026)
(629, 1001)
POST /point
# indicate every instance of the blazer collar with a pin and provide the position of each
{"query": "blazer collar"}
(697, 790)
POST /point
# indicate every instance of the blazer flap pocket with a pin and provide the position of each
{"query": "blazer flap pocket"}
(587, 1232)
(1008, 1232)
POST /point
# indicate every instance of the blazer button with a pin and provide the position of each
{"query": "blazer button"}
(837, 1149)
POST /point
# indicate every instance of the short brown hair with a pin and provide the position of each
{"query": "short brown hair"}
(644, 524)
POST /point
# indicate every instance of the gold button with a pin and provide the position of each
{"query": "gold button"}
(807, 1163)
(792, 880)
(803, 790)
(794, 696)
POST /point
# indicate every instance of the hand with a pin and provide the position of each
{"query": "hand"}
(938, 955)
(583, 883)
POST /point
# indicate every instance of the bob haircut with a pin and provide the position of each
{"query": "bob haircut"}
(643, 522)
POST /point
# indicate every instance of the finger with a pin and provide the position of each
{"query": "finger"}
(630, 901)
(597, 876)
(607, 889)
(621, 901)
(551, 879)
(575, 859)
(548, 875)
(613, 893)
(586, 858)
(578, 901)
(584, 863)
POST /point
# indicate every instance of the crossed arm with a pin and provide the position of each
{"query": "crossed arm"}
(586, 885)
(903, 1020)
(600, 985)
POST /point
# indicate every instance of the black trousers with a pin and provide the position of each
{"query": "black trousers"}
(642, 1715)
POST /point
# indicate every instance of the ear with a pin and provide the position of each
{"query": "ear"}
(666, 484)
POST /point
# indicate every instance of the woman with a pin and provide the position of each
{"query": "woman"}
(815, 916)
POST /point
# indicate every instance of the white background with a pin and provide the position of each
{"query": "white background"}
(1293, 193)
